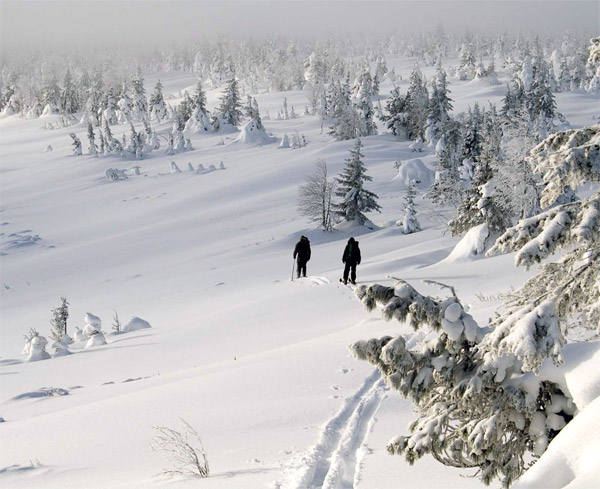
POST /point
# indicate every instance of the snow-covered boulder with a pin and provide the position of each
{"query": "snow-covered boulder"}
(415, 170)
(201, 168)
(136, 323)
(212, 168)
(253, 133)
(96, 339)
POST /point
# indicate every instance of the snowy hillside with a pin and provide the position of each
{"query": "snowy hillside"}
(256, 362)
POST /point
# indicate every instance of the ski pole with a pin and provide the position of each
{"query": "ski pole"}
(293, 267)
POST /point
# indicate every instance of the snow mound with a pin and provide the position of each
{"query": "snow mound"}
(253, 133)
(484, 81)
(571, 460)
(136, 323)
(470, 246)
(416, 171)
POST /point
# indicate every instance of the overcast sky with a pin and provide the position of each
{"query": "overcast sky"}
(45, 23)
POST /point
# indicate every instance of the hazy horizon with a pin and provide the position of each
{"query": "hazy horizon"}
(34, 24)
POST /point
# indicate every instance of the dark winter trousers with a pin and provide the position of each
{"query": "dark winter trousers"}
(350, 268)
(301, 268)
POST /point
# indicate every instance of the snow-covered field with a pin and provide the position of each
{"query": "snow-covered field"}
(256, 363)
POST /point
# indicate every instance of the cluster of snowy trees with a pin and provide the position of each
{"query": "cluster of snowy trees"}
(41, 84)
(89, 336)
(482, 400)
(189, 116)
(316, 196)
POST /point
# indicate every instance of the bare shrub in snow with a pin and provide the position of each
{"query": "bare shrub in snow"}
(184, 448)
(116, 322)
(315, 197)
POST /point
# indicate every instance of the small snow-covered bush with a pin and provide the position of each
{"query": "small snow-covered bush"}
(114, 174)
(96, 339)
(186, 450)
(35, 347)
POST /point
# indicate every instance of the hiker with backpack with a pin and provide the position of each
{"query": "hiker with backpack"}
(351, 258)
(302, 255)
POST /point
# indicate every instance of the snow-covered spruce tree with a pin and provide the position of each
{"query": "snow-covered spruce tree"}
(417, 106)
(199, 121)
(447, 188)
(157, 105)
(356, 200)
(230, 106)
(593, 66)
(365, 108)
(517, 185)
(92, 149)
(139, 102)
(113, 145)
(396, 117)
(409, 223)
(567, 291)
(440, 105)
(481, 204)
(540, 101)
(125, 106)
(315, 197)
(58, 321)
(69, 100)
(472, 134)
(76, 144)
(110, 113)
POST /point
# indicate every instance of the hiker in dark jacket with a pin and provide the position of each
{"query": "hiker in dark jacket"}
(302, 255)
(351, 258)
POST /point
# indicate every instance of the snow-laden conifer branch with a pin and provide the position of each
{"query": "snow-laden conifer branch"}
(477, 406)
(539, 236)
(567, 159)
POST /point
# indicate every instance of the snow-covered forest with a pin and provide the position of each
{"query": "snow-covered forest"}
(156, 324)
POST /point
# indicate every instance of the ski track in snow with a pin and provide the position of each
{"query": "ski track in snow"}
(334, 462)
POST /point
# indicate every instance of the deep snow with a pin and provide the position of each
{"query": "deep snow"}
(257, 363)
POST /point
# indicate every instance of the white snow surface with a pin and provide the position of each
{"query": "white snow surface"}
(256, 363)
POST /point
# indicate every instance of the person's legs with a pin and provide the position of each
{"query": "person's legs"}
(353, 274)
(346, 272)
(301, 268)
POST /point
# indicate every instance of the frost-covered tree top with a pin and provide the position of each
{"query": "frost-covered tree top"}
(567, 159)
(568, 290)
